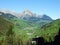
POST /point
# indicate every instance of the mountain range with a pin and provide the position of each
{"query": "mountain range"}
(27, 16)
(24, 14)
(21, 28)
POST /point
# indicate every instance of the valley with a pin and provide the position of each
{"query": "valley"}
(23, 28)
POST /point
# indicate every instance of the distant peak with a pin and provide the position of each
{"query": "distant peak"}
(8, 11)
(27, 12)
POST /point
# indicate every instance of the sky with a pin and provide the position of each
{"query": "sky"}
(48, 7)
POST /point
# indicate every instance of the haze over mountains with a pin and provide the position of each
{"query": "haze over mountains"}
(27, 16)
(25, 13)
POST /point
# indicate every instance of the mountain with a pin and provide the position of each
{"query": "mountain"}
(7, 33)
(34, 19)
(27, 16)
(49, 34)
(51, 30)
(4, 25)
(21, 28)
(52, 24)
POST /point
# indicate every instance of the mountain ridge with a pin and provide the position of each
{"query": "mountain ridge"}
(25, 12)
(28, 16)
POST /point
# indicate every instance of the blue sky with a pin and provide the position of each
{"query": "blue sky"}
(48, 7)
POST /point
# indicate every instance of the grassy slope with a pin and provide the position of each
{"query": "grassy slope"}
(4, 27)
(49, 31)
(21, 28)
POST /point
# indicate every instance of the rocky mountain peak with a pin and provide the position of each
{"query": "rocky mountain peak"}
(27, 12)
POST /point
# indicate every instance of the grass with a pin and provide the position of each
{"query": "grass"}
(22, 32)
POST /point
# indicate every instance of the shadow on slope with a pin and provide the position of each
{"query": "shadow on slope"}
(40, 40)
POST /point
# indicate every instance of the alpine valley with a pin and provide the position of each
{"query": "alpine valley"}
(21, 28)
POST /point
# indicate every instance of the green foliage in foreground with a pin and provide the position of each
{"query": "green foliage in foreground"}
(12, 34)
